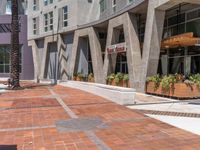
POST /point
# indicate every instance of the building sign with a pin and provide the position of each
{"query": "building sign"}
(117, 48)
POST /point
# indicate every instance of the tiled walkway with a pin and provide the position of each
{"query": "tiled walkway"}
(28, 120)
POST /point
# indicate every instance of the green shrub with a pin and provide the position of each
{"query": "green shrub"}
(167, 81)
(110, 78)
(80, 75)
(156, 80)
(90, 77)
(126, 77)
(118, 78)
(195, 79)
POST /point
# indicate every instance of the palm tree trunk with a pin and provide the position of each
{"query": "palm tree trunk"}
(15, 54)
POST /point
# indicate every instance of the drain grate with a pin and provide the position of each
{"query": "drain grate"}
(80, 124)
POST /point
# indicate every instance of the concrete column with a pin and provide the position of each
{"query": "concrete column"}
(133, 50)
(96, 54)
(62, 60)
(74, 53)
(36, 59)
(132, 43)
(152, 41)
(43, 65)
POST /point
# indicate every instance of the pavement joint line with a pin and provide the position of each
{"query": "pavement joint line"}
(26, 128)
(60, 101)
(74, 105)
(26, 97)
(15, 108)
(90, 134)
(96, 140)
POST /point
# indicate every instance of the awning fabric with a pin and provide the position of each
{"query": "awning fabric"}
(181, 40)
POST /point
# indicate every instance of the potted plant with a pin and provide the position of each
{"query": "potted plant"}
(177, 86)
(79, 77)
(110, 78)
(74, 77)
(91, 77)
(118, 79)
(167, 83)
(125, 80)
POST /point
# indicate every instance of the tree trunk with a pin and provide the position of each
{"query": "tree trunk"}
(15, 54)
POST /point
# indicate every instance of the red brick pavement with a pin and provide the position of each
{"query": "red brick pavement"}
(27, 120)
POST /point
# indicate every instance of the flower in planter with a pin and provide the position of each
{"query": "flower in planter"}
(195, 79)
(110, 78)
(167, 82)
(91, 77)
(118, 78)
(179, 78)
(156, 80)
(79, 77)
(126, 79)
(74, 77)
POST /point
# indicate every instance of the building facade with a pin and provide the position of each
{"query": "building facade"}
(109, 36)
(26, 59)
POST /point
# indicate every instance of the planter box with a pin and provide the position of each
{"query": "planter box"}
(178, 90)
(119, 95)
(121, 84)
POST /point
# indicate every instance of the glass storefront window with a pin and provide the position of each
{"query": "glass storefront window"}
(5, 59)
(193, 26)
(121, 64)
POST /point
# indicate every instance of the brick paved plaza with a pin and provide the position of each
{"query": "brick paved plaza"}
(45, 117)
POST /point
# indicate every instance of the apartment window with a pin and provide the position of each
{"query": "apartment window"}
(65, 16)
(102, 5)
(130, 1)
(34, 26)
(114, 5)
(51, 21)
(50, 1)
(48, 21)
(45, 22)
(34, 4)
(8, 7)
(46, 2)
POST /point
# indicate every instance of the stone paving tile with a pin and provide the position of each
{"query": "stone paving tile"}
(34, 102)
(25, 93)
(124, 133)
(16, 118)
(47, 139)
(127, 129)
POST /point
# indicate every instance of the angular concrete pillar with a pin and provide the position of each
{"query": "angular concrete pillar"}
(96, 54)
(62, 60)
(132, 43)
(36, 59)
(47, 40)
(152, 41)
(133, 50)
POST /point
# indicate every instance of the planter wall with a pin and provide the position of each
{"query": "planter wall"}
(178, 90)
(121, 84)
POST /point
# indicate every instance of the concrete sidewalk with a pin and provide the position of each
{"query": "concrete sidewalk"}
(59, 118)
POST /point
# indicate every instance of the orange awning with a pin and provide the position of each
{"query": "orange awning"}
(182, 40)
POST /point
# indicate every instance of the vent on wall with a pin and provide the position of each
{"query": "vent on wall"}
(193, 14)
